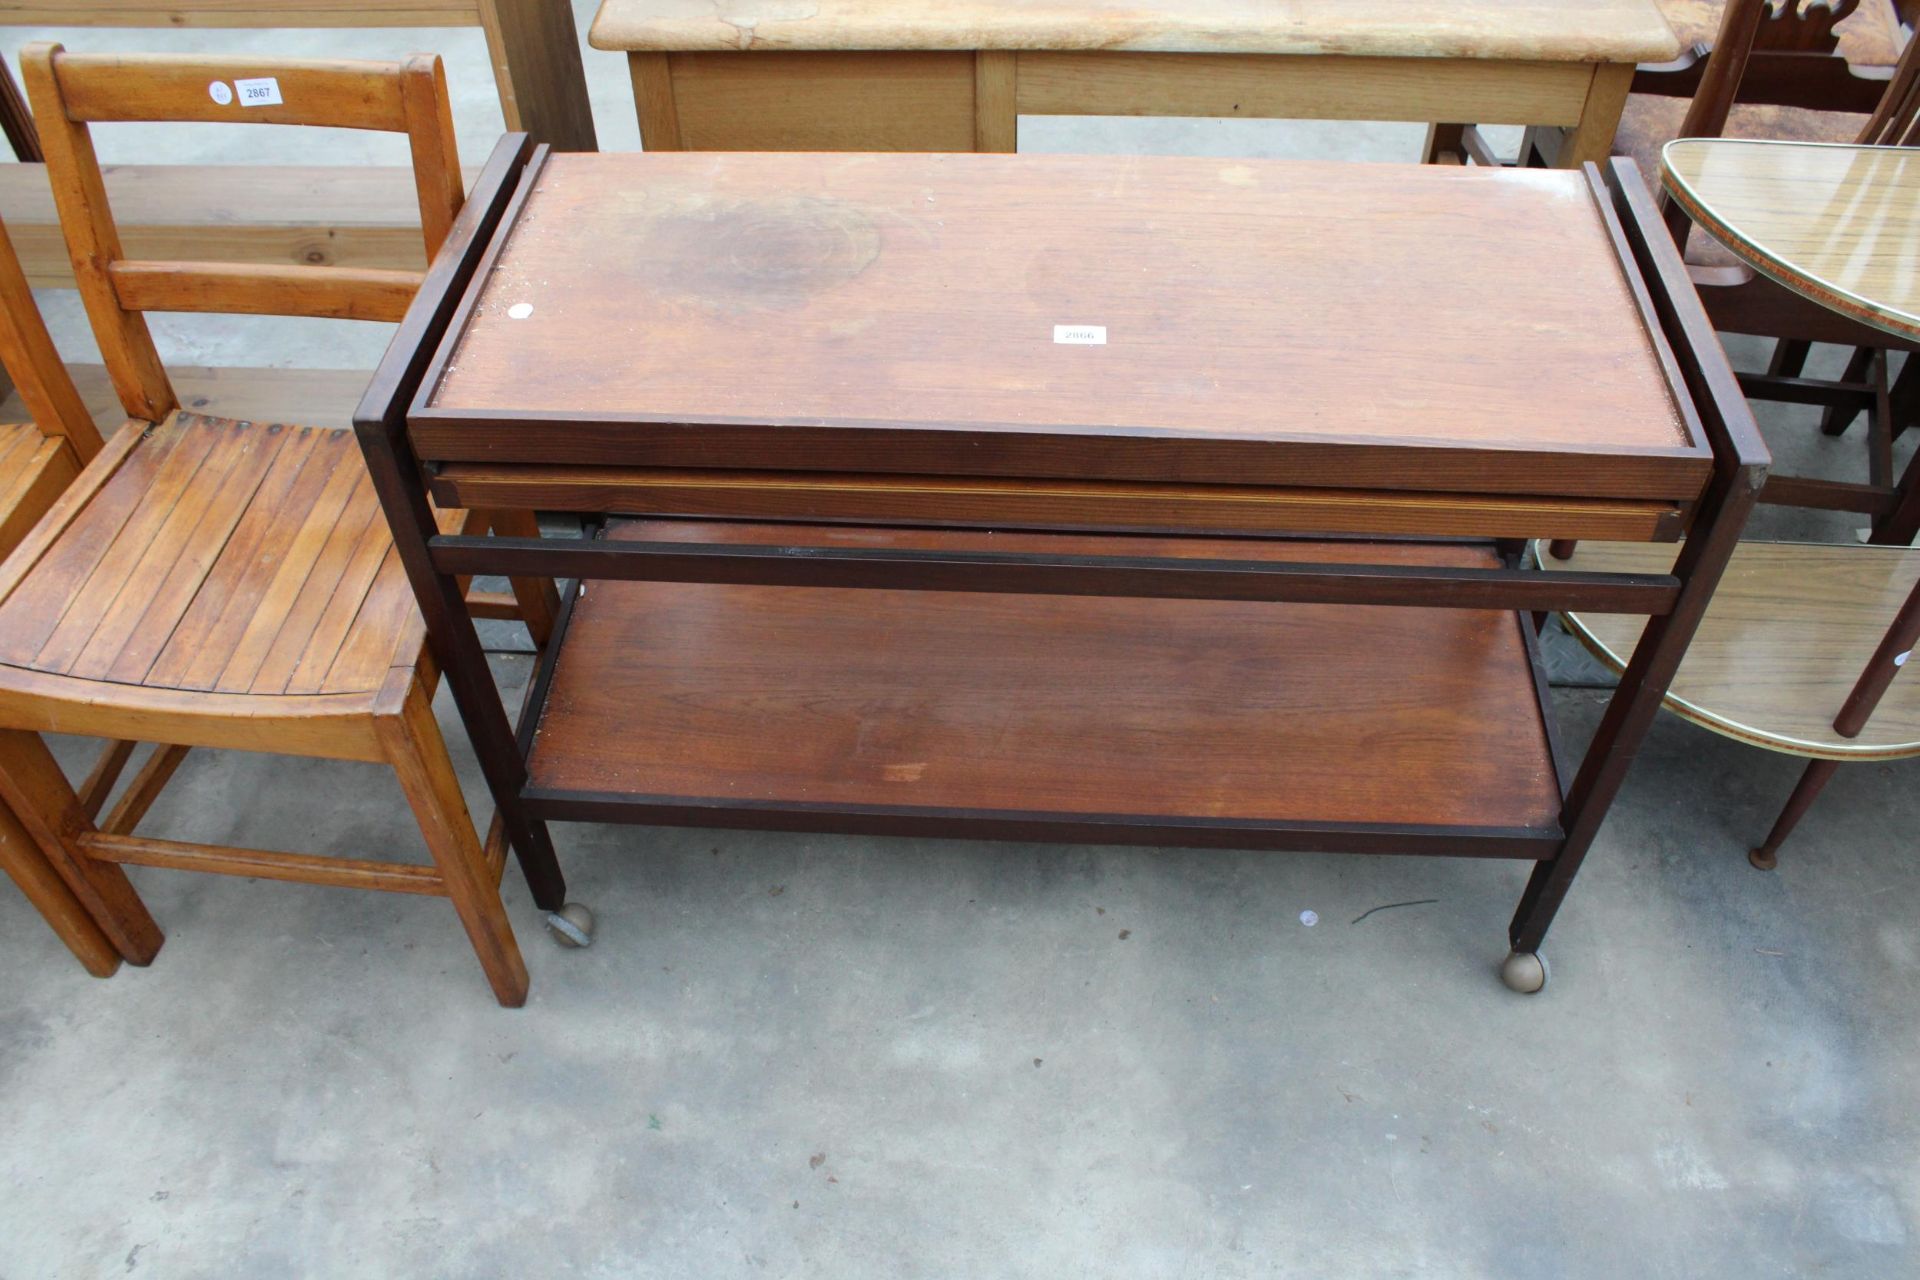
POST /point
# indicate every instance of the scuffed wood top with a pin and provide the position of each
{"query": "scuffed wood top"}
(1543, 30)
(1260, 322)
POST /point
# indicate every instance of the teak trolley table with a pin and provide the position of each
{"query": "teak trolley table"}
(1055, 498)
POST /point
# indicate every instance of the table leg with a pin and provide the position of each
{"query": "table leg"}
(653, 99)
(536, 62)
(1812, 781)
(1630, 713)
(1592, 138)
(996, 118)
(1446, 144)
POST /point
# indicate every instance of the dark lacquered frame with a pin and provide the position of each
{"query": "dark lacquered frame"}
(1703, 385)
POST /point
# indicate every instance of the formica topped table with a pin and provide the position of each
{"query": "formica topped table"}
(873, 75)
(1055, 498)
(1837, 224)
(1804, 646)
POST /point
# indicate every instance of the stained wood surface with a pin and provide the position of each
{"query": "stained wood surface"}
(1085, 706)
(221, 556)
(1790, 628)
(1837, 224)
(1292, 323)
(1582, 31)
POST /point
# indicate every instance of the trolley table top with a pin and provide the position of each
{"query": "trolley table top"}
(1195, 321)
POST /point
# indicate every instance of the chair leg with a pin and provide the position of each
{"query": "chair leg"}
(106, 771)
(1906, 395)
(1445, 144)
(539, 602)
(27, 866)
(144, 789)
(1789, 358)
(1805, 792)
(1836, 420)
(45, 803)
(418, 755)
(1900, 526)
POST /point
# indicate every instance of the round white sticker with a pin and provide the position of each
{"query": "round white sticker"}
(220, 92)
(520, 310)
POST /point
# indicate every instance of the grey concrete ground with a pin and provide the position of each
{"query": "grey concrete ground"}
(824, 1056)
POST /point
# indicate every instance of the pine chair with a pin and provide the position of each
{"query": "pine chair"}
(38, 460)
(221, 583)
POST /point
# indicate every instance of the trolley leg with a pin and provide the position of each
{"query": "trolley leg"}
(463, 662)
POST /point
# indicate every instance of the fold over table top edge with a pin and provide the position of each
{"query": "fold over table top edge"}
(502, 432)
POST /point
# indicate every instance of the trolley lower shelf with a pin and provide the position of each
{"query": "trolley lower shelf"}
(1208, 723)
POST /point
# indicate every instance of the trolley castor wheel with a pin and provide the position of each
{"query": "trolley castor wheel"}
(1763, 858)
(571, 925)
(1524, 971)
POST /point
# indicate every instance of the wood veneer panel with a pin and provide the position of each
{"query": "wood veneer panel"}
(1360, 714)
(1288, 323)
(1063, 504)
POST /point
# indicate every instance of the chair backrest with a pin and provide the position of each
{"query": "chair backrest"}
(69, 91)
(27, 350)
(1747, 26)
(1896, 121)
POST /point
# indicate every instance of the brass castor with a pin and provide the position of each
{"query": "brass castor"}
(1763, 858)
(1524, 971)
(571, 925)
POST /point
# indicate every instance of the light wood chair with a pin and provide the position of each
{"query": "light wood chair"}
(38, 459)
(226, 583)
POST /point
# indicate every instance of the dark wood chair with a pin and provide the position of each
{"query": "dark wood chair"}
(1740, 300)
(1799, 70)
(215, 582)
(1814, 70)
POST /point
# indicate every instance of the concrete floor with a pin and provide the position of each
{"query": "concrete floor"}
(823, 1056)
